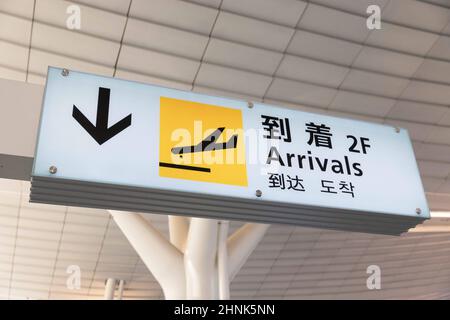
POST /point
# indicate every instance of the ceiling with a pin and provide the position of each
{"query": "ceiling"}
(38, 243)
(313, 55)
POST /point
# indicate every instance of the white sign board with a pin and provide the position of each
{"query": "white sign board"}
(121, 133)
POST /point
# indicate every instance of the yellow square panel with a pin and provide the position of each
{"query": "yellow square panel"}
(201, 142)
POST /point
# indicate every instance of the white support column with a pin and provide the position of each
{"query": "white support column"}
(163, 260)
(110, 288)
(178, 229)
(222, 262)
(210, 260)
(120, 290)
(200, 258)
(242, 243)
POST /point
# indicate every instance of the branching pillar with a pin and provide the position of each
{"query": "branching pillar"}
(192, 265)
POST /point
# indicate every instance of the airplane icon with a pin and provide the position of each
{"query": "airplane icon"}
(208, 144)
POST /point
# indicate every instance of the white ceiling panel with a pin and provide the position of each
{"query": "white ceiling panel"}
(40, 61)
(134, 76)
(311, 71)
(411, 13)
(124, 259)
(4, 290)
(8, 241)
(44, 215)
(445, 120)
(285, 12)
(10, 187)
(83, 229)
(26, 243)
(441, 48)
(357, 7)
(347, 115)
(36, 79)
(87, 268)
(21, 8)
(443, 3)
(176, 13)
(74, 44)
(26, 294)
(21, 259)
(445, 187)
(91, 220)
(298, 92)
(334, 23)
(440, 135)
(25, 204)
(8, 209)
(160, 38)
(362, 103)
(208, 3)
(80, 210)
(243, 57)
(61, 292)
(112, 245)
(438, 201)
(12, 74)
(434, 152)
(434, 169)
(157, 64)
(295, 106)
(74, 238)
(13, 56)
(313, 45)
(7, 257)
(417, 131)
(21, 27)
(50, 226)
(419, 112)
(118, 6)
(434, 70)
(232, 80)
(427, 92)
(446, 30)
(34, 233)
(93, 21)
(366, 82)
(251, 31)
(9, 231)
(432, 184)
(60, 274)
(104, 270)
(402, 39)
(8, 221)
(90, 248)
(387, 61)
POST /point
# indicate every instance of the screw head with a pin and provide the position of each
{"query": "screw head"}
(397, 129)
(418, 211)
(258, 193)
(53, 169)
(250, 104)
(65, 72)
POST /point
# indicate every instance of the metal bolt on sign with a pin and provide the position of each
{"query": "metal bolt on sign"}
(53, 169)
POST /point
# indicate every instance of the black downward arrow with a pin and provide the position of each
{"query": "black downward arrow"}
(100, 132)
